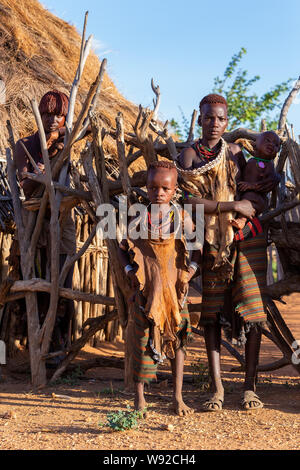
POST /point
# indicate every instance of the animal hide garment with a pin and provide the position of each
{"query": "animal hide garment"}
(215, 181)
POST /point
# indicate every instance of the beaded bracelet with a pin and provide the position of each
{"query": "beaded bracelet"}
(194, 265)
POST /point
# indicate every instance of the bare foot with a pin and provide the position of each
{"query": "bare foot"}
(140, 404)
(181, 409)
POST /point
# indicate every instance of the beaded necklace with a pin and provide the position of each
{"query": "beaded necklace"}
(260, 162)
(204, 152)
(165, 221)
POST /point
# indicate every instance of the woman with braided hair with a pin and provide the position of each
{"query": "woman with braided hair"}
(234, 273)
(53, 108)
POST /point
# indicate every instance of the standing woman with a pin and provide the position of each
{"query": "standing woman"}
(234, 273)
(53, 108)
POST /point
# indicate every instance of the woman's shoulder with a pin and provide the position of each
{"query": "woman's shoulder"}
(186, 158)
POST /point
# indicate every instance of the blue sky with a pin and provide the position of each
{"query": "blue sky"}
(183, 45)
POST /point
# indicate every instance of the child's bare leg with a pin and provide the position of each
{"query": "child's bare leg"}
(177, 365)
(139, 399)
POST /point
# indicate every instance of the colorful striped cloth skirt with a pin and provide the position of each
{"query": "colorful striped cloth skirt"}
(237, 304)
(145, 362)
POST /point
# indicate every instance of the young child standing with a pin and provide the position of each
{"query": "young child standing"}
(158, 269)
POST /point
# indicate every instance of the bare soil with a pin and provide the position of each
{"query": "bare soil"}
(67, 416)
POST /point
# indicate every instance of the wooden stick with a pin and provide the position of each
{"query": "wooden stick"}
(11, 171)
(133, 157)
(33, 163)
(192, 126)
(74, 133)
(38, 370)
(293, 150)
(286, 286)
(77, 322)
(156, 101)
(40, 285)
(138, 179)
(47, 327)
(86, 122)
(71, 260)
(164, 134)
(84, 52)
(99, 157)
(275, 212)
(286, 105)
(281, 332)
(79, 344)
(122, 159)
(11, 138)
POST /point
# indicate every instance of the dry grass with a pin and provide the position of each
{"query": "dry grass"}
(38, 52)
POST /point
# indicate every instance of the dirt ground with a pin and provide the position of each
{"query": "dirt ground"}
(67, 416)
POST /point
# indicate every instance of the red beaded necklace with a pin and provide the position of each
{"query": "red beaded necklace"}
(205, 152)
(167, 220)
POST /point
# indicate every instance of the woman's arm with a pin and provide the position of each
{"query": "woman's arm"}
(244, 207)
(22, 165)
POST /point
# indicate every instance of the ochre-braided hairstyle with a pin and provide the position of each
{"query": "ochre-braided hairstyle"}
(213, 99)
(54, 102)
(162, 164)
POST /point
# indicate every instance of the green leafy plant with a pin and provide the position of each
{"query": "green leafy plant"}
(123, 420)
(200, 375)
(109, 390)
(70, 379)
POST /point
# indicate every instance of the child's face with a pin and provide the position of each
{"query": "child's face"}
(267, 145)
(161, 185)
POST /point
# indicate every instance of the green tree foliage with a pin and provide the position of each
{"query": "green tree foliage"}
(245, 107)
(182, 129)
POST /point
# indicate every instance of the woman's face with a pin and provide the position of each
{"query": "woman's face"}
(213, 120)
(52, 122)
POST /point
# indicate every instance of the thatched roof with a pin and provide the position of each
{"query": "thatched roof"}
(38, 52)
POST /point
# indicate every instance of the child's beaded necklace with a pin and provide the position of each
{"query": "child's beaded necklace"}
(165, 221)
(260, 162)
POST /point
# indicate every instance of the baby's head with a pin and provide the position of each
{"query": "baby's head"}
(161, 182)
(267, 145)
